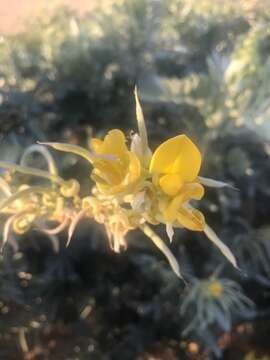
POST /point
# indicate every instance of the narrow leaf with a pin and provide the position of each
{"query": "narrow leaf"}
(141, 123)
(74, 223)
(212, 236)
(78, 150)
(6, 229)
(169, 231)
(214, 183)
(162, 247)
(56, 230)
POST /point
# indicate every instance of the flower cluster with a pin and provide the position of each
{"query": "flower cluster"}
(134, 188)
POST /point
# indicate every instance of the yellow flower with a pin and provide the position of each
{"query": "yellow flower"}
(174, 163)
(175, 166)
(215, 289)
(121, 171)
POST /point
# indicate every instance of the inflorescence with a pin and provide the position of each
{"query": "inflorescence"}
(133, 189)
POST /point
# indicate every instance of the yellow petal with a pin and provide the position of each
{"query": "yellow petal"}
(171, 184)
(110, 171)
(191, 219)
(178, 155)
(96, 145)
(189, 191)
(134, 169)
(109, 181)
(115, 175)
(103, 188)
(115, 143)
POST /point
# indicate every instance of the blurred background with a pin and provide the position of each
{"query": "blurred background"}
(67, 71)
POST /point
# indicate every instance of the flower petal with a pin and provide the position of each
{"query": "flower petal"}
(178, 155)
(189, 191)
(134, 169)
(116, 174)
(114, 144)
(171, 183)
(96, 145)
(191, 219)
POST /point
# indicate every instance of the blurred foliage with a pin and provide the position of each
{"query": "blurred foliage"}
(202, 68)
(247, 76)
(210, 306)
(204, 26)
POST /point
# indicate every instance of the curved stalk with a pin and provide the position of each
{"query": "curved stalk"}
(42, 150)
(32, 171)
